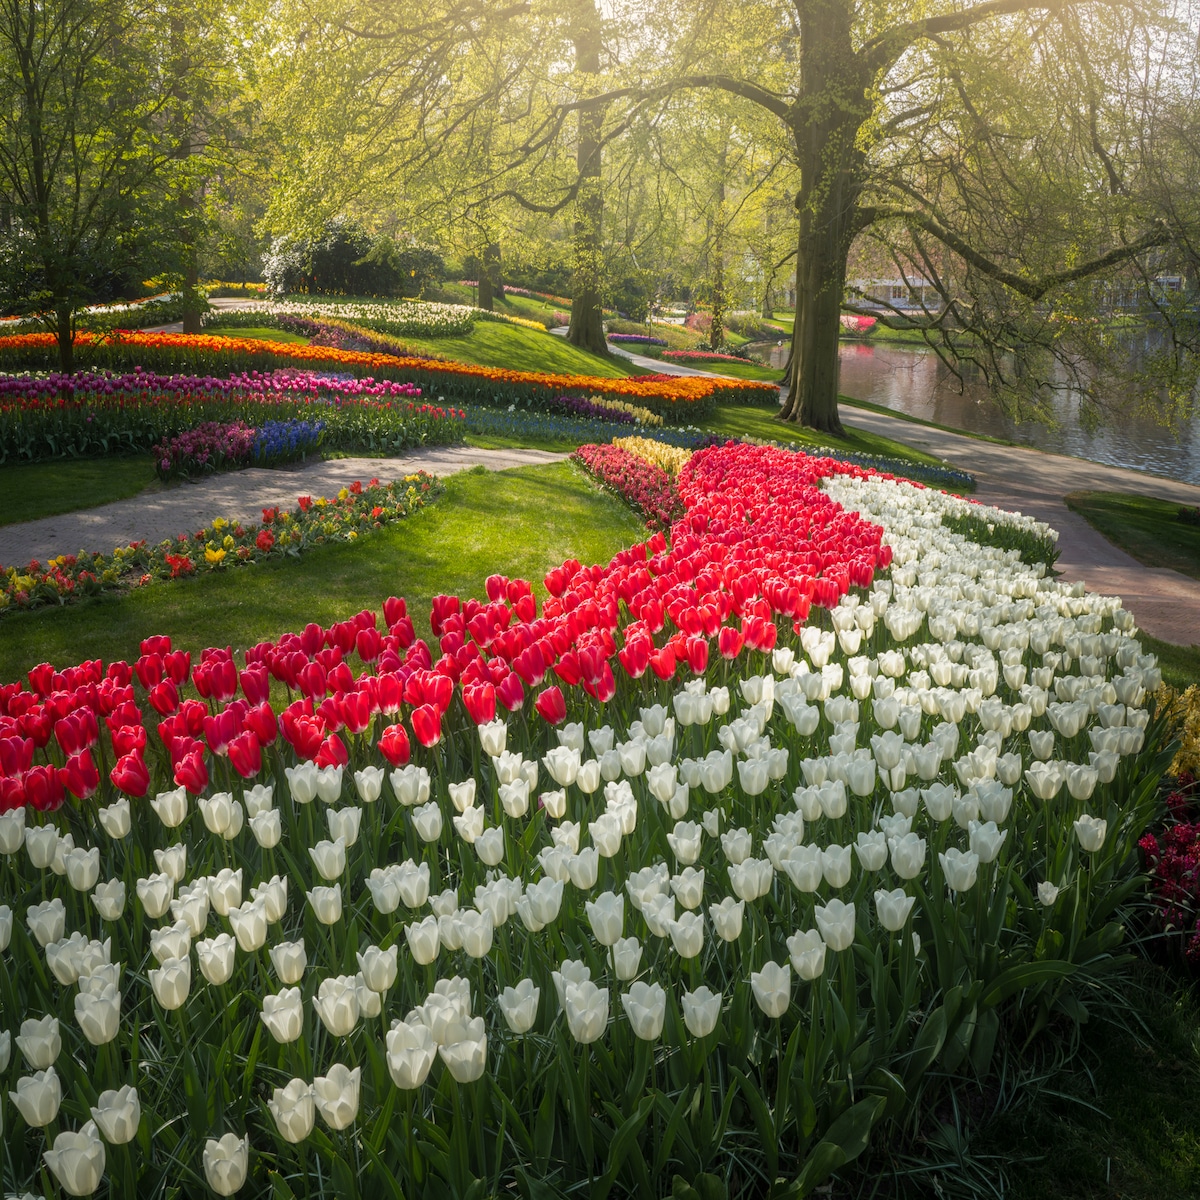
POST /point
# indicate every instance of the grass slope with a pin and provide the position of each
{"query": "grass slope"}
(496, 344)
(1146, 528)
(33, 490)
(518, 522)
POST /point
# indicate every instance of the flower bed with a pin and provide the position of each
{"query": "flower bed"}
(357, 510)
(670, 458)
(211, 447)
(540, 426)
(95, 414)
(701, 356)
(678, 400)
(578, 900)
(636, 339)
(642, 484)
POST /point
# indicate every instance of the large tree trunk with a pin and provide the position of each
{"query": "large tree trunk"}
(587, 315)
(720, 297)
(65, 329)
(490, 288)
(834, 104)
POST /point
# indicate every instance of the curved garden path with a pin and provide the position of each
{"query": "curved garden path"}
(157, 514)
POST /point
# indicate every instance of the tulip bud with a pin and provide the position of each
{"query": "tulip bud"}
(294, 1111)
(117, 1115)
(701, 1009)
(172, 982)
(646, 1007)
(411, 1050)
(77, 1160)
(38, 1097)
(586, 1007)
(226, 1163)
(216, 958)
(117, 818)
(326, 903)
(283, 1015)
(40, 1042)
(772, 988)
(336, 1095)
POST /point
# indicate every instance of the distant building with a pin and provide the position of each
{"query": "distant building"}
(912, 295)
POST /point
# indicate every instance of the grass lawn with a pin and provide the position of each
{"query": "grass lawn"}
(33, 490)
(1145, 528)
(519, 522)
(739, 420)
(495, 344)
(263, 333)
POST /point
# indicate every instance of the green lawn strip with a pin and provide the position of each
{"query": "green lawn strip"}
(1180, 664)
(500, 441)
(1122, 1122)
(739, 370)
(738, 420)
(262, 333)
(496, 344)
(519, 522)
(34, 490)
(1146, 528)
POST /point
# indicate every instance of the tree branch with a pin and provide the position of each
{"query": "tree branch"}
(1031, 289)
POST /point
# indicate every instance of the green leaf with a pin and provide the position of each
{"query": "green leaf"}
(621, 1145)
(843, 1142)
(1025, 975)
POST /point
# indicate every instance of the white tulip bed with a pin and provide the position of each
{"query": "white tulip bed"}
(705, 935)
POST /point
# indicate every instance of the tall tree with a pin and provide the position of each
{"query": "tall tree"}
(90, 141)
(846, 81)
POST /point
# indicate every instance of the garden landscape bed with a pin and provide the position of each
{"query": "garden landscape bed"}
(699, 869)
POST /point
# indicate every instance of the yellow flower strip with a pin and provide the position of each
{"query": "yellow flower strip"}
(670, 458)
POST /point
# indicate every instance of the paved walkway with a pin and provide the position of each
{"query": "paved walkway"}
(1021, 479)
(237, 495)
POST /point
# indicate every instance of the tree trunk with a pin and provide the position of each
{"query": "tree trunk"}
(490, 287)
(484, 284)
(587, 315)
(191, 291)
(720, 298)
(64, 320)
(833, 107)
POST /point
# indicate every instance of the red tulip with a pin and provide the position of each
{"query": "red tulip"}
(510, 693)
(191, 773)
(164, 697)
(427, 724)
(355, 710)
(394, 609)
(729, 642)
(332, 753)
(80, 776)
(662, 662)
(551, 706)
(697, 654)
(16, 755)
(256, 684)
(260, 720)
(480, 702)
(245, 753)
(131, 776)
(394, 746)
(43, 789)
(129, 738)
(12, 795)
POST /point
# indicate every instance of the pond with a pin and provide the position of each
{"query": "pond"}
(913, 381)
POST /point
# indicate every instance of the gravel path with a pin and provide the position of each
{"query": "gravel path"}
(241, 495)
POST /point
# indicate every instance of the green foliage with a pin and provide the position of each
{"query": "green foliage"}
(1033, 549)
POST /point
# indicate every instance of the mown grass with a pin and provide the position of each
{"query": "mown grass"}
(33, 490)
(519, 522)
(264, 333)
(738, 420)
(496, 344)
(1146, 528)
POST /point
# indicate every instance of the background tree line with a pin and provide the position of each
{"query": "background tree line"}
(1021, 162)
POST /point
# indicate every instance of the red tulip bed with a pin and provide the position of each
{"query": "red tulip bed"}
(356, 511)
(569, 901)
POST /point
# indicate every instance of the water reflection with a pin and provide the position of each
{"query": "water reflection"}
(913, 381)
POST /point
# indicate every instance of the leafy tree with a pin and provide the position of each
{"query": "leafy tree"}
(96, 107)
